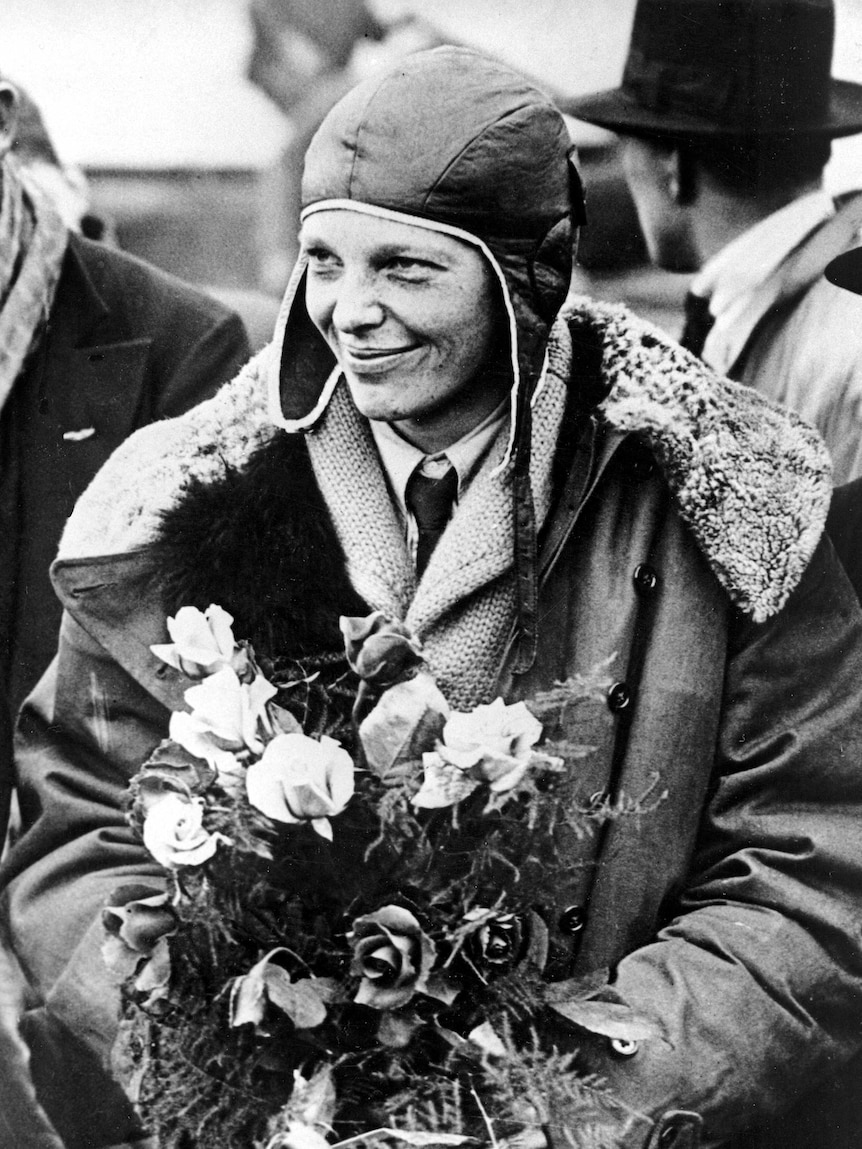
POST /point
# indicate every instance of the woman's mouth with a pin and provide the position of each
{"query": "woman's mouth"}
(374, 360)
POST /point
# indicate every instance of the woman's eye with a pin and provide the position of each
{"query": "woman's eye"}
(408, 268)
(321, 260)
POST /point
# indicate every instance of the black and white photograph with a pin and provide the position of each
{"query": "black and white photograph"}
(430, 574)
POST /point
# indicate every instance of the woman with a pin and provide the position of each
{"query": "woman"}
(614, 503)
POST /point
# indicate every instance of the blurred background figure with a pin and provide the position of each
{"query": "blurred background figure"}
(92, 345)
(306, 54)
(189, 119)
(65, 185)
(727, 112)
(845, 514)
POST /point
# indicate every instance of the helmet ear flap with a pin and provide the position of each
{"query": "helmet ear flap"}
(551, 269)
(551, 265)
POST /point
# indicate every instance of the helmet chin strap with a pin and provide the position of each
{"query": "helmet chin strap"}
(526, 565)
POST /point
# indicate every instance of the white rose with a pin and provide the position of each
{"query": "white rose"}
(493, 743)
(203, 642)
(298, 1135)
(299, 779)
(226, 714)
(174, 832)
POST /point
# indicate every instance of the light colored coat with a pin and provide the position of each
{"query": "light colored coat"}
(806, 352)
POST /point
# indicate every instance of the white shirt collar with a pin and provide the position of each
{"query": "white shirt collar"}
(400, 458)
(739, 280)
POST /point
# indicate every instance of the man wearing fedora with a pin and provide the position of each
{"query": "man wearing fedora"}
(726, 112)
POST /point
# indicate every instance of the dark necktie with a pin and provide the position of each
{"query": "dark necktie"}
(430, 502)
(698, 324)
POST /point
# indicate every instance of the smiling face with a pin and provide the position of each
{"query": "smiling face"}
(414, 319)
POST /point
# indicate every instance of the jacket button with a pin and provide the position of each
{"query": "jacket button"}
(572, 920)
(644, 577)
(619, 696)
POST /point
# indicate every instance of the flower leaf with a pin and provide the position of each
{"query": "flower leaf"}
(300, 1000)
(486, 1037)
(396, 1029)
(155, 975)
(408, 718)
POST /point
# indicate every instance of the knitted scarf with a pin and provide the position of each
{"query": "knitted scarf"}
(33, 242)
(464, 608)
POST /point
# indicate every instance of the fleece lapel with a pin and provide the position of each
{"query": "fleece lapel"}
(751, 481)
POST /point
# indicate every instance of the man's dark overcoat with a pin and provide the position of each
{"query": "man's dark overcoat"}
(125, 344)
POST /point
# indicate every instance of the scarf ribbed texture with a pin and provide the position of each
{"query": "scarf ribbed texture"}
(33, 241)
(464, 607)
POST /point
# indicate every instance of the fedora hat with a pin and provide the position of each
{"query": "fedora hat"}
(728, 68)
(846, 270)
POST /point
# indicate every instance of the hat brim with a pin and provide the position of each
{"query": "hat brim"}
(621, 113)
(846, 271)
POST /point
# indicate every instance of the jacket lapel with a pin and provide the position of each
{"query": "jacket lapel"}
(89, 379)
(120, 604)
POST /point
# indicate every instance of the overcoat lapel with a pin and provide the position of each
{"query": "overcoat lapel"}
(88, 378)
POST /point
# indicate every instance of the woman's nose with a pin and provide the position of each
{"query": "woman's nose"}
(357, 303)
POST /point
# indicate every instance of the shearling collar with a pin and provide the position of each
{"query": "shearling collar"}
(752, 482)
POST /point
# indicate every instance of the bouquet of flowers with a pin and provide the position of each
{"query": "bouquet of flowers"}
(347, 946)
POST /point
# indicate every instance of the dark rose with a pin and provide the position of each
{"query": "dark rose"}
(169, 770)
(393, 956)
(137, 926)
(141, 921)
(496, 943)
(379, 650)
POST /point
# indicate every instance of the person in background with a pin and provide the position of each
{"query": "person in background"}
(533, 492)
(726, 113)
(844, 523)
(93, 344)
(64, 184)
(67, 187)
(305, 55)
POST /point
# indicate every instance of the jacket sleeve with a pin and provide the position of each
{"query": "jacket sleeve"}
(81, 736)
(755, 978)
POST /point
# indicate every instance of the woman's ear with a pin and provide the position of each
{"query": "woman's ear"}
(8, 116)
